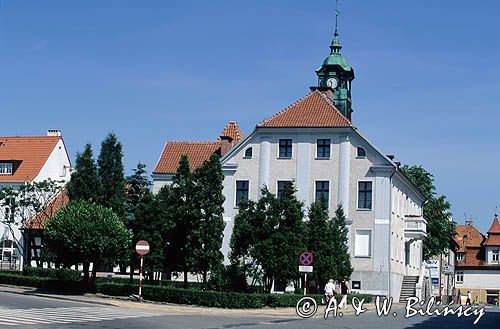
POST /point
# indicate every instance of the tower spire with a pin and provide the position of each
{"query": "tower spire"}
(335, 46)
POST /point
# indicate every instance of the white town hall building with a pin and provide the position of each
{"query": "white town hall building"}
(314, 143)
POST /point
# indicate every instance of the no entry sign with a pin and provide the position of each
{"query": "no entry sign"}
(306, 258)
(142, 247)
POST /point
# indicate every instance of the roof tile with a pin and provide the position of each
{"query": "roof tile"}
(197, 153)
(314, 110)
(29, 155)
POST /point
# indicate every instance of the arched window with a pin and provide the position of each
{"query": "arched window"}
(248, 152)
(361, 152)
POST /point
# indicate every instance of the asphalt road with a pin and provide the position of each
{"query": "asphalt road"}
(28, 311)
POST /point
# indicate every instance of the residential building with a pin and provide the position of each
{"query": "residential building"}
(25, 159)
(197, 153)
(477, 262)
(314, 143)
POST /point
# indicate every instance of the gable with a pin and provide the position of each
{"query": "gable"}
(29, 155)
(314, 110)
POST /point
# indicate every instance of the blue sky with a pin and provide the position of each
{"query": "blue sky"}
(427, 85)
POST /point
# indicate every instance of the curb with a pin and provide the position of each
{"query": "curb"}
(52, 296)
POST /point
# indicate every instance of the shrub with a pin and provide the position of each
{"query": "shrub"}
(73, 286)
(186, 296)
(59, 274)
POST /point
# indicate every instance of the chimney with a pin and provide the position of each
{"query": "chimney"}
(226, 143)
(54, 132)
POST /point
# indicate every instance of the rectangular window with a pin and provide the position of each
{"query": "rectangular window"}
(282, 185)
(495, 255)
(363, 243)
(460, 256)
(10, 204)
(5, 168)
(459, 276)
(323, 192)
(285, 148)
(323, 148)
(365, 195)
(241, 191)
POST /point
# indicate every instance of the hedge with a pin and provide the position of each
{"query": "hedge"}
(59, 274)
(167, 293)
(73, 286)
(211, 298)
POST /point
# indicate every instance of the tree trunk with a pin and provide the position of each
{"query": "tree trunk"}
(185, 278)
(204, 277)
(86, 266)
(94, 273)
(132, 268)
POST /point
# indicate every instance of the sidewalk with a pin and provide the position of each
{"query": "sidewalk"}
(177, 309)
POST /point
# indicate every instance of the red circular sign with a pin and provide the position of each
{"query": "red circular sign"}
(142, 247)
(306, 258)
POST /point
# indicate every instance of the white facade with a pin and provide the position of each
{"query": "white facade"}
(57, 167)
(384, 240)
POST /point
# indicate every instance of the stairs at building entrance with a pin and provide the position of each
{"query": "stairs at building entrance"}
(408, 288)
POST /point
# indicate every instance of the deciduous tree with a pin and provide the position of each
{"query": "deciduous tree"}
(82, 232)
(440, 227)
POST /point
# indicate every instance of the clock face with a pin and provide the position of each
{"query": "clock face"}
(332, 83)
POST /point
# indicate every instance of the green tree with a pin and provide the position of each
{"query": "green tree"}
(183, 207)
(111, 173)
(85, 184)
(209, 230)
(137, 187)
(320, 236)
(342, 257)
(149, 226)
(276, 240)
(82, 232)
(440, 227)
(27, 207)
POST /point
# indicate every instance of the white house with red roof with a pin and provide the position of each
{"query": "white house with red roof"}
(477, 265)
(314, 143)
(26, 159)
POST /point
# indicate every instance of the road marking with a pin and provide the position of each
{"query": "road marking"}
(16, 317)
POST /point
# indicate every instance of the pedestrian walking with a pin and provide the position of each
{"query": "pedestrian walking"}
(344, 291)
(469, 298)
(329, 289)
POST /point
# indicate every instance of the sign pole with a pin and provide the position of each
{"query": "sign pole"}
(142, 248)
(140, 279)
(305, 283)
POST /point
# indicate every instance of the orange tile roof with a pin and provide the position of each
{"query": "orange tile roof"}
(232, 130)
(314, 110)
(468, 236)
(493, 234)
(28, 154)
(39, 221)
(197, 153)
(495, 226)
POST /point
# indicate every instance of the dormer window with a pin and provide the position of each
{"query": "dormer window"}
(460, 256)
(361, 153)
(6, 168)
(248, 153)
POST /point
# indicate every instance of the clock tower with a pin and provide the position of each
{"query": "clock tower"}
(335, 73)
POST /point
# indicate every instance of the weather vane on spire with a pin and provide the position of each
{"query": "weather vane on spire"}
(337, 13)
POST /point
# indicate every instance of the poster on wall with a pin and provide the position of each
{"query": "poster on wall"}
(433, 266)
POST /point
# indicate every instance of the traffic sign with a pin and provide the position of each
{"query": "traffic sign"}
(142, 247)
(306, 258)
(305, 269)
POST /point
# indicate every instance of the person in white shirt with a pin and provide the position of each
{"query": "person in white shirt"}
(329, 289)
(469, 298)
